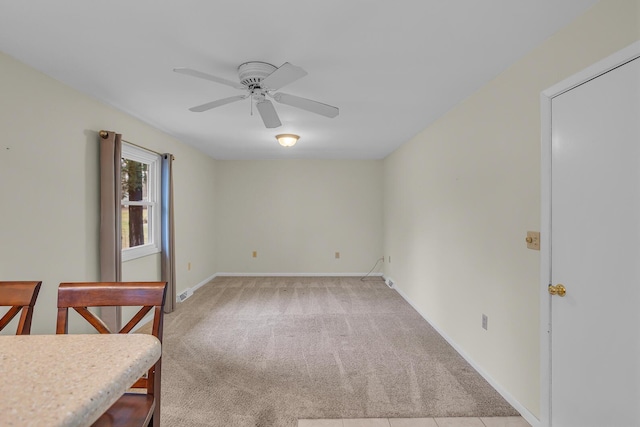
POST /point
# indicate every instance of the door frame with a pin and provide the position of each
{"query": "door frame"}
(619, 58)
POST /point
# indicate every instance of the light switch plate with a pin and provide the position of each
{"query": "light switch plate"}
(533, 240)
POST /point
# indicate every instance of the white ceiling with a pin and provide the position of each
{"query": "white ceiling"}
(392, 67)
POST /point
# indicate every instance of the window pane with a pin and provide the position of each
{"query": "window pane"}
(135, 180)
(135, 226)
(140, 215)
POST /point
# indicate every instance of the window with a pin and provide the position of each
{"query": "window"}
(140, 207)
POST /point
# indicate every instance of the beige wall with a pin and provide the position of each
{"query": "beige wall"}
(296, 214)
(461, 195)
(49, 184)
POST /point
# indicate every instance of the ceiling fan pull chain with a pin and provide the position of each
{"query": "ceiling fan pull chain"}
(251, 103)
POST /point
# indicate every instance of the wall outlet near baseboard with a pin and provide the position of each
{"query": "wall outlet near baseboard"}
(389, 283)
(485, 321)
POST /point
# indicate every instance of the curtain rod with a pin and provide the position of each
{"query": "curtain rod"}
(104, 133)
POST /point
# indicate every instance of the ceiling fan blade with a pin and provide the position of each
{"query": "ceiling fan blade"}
(201, 75)
(218, 103)
(282, 76)
(306, 104)
(268, 113)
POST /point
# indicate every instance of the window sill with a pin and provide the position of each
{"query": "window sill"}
(139, 252)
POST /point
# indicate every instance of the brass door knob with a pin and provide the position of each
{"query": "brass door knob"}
(559, 290)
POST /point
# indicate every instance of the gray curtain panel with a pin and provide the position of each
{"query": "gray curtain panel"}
(168, 265)
(110, 226)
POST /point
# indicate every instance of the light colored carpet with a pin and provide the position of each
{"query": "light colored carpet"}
(265, 351)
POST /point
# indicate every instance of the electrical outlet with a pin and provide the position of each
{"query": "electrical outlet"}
(485, 321)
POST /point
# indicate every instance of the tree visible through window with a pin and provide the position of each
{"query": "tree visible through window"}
(139, 212)
(135, 176)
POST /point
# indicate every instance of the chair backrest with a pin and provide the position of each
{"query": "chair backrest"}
(149, 295)
(19, 296)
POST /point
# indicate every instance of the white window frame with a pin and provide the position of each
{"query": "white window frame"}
(137, 154)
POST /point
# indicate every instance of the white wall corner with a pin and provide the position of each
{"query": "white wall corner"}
(389, 281)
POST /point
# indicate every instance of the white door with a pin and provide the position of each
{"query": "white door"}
(595, 252)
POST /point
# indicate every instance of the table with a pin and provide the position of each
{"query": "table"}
(68, 380)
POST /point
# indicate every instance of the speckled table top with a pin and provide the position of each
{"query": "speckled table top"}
(68, 380)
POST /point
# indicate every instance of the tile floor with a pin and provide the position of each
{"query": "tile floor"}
(418, 422)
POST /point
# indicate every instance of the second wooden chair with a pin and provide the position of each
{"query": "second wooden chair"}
(19, 296)
(132, 409)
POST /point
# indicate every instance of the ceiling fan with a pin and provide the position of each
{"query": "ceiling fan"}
(260, 80)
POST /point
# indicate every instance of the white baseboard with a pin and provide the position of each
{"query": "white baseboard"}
(149, 316)
(528, 416)
(191, 290)
(297, 274)
(204, 282)
(389, 281)
(194, 288)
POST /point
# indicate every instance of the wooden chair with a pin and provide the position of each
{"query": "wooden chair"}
(19, 296)
(132, 409)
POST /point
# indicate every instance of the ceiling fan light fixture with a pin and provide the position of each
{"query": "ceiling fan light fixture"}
(287, 139)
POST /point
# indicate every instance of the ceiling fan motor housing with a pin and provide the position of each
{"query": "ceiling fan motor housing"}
(252, 73)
